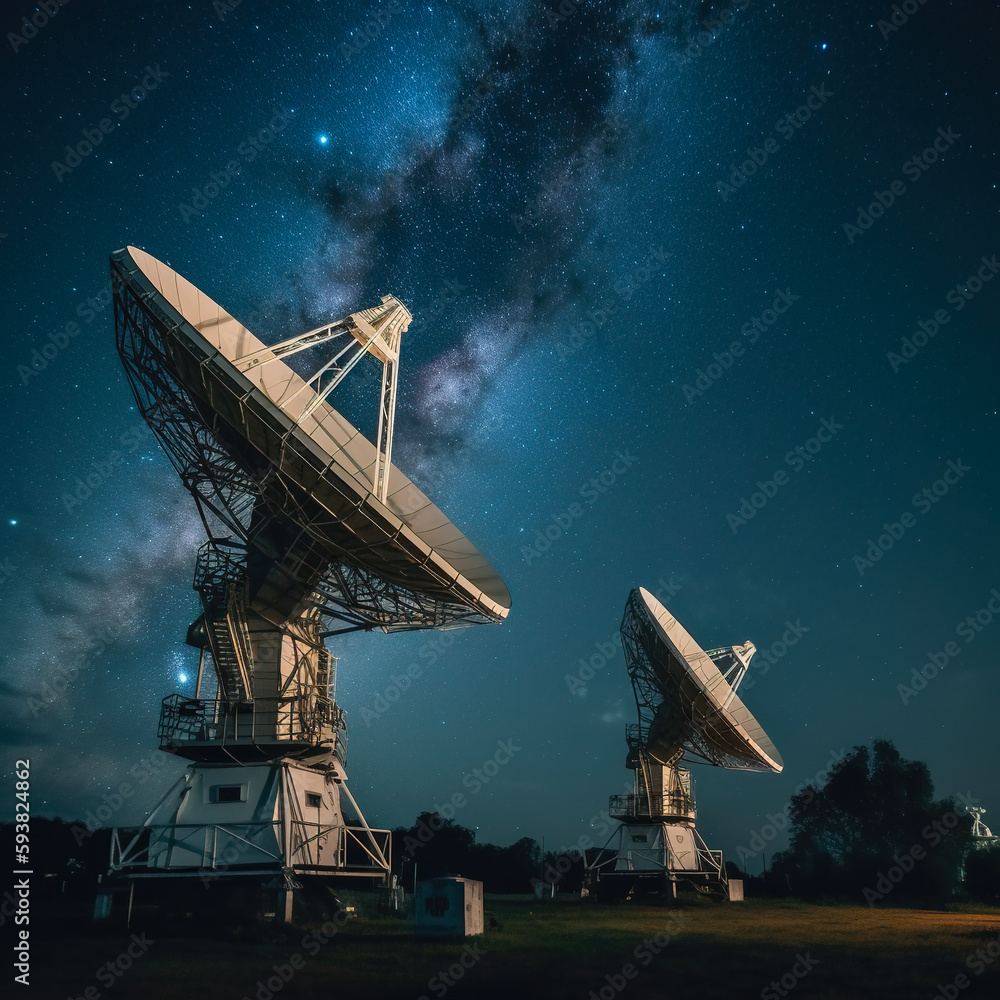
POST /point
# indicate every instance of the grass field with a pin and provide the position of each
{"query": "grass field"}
(563, 949)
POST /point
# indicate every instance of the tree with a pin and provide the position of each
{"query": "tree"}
(874, 830)
(982, 873)
(438, 846)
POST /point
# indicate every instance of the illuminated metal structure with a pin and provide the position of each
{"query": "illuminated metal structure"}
(312, 532)
(982, 835)
(687, 705)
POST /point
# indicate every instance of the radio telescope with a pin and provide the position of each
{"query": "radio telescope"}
(312, 532)
(688, 707)
(982, 835)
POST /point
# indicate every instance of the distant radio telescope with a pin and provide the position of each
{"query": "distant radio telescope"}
(688, 706)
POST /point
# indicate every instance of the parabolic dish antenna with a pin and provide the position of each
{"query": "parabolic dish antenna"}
(327, 520)
(309, 523)
(688, 703)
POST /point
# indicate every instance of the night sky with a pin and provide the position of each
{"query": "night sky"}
(585, 212)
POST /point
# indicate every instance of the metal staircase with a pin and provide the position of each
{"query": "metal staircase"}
(221, 588)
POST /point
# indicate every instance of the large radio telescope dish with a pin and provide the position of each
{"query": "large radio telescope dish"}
(326, 520)
(308, 522)
(686, 696)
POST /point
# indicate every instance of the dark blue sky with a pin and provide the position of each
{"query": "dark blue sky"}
(562, 203)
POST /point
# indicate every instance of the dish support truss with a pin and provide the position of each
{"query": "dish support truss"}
(251, 499)
(375, 332)
(678, 726)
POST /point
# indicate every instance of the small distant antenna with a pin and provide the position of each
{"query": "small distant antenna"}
(980, 831)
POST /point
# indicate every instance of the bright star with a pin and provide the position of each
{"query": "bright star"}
(324, 139)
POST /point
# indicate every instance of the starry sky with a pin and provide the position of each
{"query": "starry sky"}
(703, 299)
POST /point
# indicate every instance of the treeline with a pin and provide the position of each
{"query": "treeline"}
(69, 858)
(875, 833)
(436, 846)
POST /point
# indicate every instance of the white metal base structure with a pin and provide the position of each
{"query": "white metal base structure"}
(222, 817)
(657, 847)
(255, 834)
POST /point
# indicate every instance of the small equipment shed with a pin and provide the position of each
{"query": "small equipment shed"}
(449, 907)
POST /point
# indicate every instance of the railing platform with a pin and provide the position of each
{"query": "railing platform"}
(655, 808)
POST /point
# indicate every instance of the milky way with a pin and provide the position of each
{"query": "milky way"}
(590, 209)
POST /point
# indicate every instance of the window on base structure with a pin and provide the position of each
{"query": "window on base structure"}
(639, 838)
(314, 800)
(229, 793)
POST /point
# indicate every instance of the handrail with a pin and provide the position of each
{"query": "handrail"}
(186, 719)
(380, 840)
